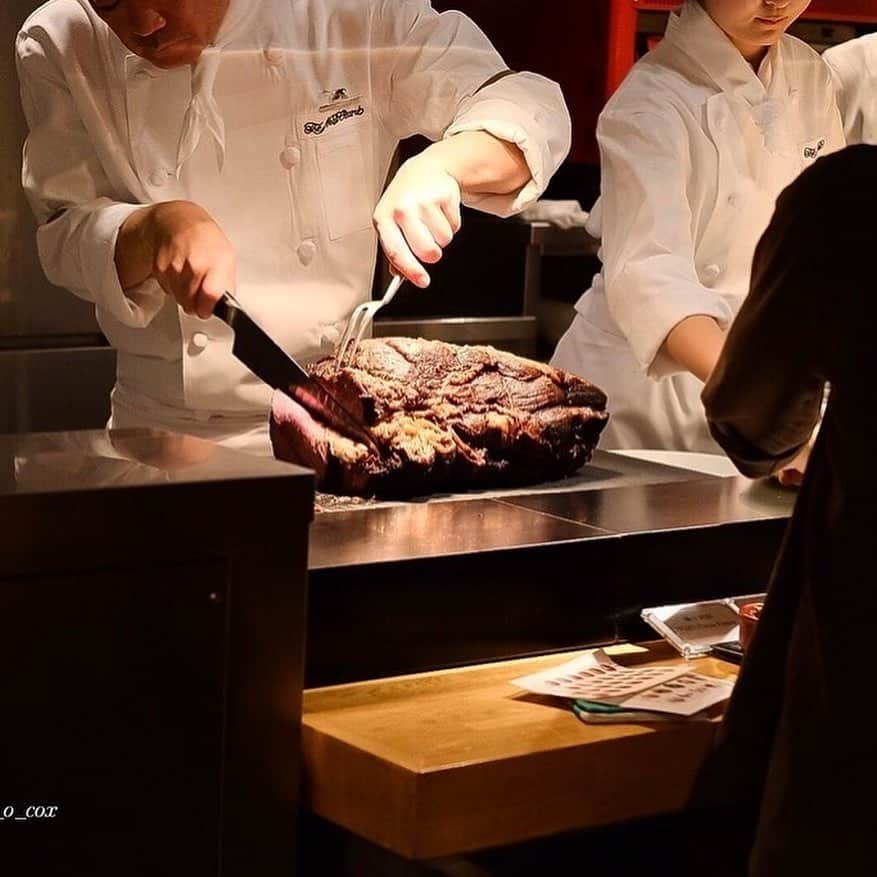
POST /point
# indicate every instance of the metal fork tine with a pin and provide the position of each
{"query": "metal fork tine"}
(359, 321)
(346, 339)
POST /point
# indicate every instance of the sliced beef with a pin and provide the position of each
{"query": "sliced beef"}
(444, 418)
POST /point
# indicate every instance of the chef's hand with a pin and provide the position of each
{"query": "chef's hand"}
(419, 213)
(418, 216)
(180, 245)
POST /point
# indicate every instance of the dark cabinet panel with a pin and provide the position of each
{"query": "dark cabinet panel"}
(152, 610)
(113, 703)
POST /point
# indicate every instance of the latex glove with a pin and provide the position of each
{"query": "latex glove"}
(418, 216)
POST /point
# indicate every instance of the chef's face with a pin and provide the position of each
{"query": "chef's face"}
(169, 33)
(754, 25)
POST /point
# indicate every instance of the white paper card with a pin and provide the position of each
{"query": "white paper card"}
(683, 696)
(595, 676)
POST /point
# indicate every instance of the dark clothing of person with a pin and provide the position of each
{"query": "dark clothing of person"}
(795, 743)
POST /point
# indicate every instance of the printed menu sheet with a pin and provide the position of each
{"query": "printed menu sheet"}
(596, 677)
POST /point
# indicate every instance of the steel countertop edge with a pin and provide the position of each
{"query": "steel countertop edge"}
(613, 496)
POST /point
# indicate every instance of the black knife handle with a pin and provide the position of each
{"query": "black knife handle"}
(225, 308)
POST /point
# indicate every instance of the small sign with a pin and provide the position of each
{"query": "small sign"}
(694, 628)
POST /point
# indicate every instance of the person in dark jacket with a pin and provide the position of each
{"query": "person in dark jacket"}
(795, 744)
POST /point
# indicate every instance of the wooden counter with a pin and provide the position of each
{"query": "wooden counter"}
(443, 763)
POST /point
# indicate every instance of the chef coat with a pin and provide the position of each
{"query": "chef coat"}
(854, 65)
(309, 99)
(695, 146)
(792, 742)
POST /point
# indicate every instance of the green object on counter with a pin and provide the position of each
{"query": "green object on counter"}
(590, 706)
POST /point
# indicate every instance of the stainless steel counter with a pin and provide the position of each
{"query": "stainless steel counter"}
(397, 587)
(612, 495)
(400, 587)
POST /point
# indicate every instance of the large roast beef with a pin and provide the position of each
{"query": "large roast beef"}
(443, 417)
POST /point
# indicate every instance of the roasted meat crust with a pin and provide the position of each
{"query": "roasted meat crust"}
(445, 417)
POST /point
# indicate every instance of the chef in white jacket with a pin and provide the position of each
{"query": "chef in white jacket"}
(854, 65)
(179, 149)
(695, 146)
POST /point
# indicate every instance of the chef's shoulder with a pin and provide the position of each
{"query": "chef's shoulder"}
(658, 91)
(60, 29)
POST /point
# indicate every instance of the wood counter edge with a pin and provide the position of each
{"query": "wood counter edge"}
(621, 772)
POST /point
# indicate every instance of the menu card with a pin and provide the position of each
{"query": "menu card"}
(596, 677)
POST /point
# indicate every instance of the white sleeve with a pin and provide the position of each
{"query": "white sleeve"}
(647, 244)
(445, 77)
(78, 218)
(854, 84)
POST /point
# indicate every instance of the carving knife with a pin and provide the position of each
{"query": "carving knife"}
(261, 354)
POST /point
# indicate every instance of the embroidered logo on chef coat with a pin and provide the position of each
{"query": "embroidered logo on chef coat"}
(338, 113)
(336, 118)
(812, 150)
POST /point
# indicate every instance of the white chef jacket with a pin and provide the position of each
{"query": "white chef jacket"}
(854, 65)
(695, 146)
(313, 96)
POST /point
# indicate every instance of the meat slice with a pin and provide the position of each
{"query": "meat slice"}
(444, 417)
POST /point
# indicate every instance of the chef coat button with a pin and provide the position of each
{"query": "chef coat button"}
(306, 252)
(274, 56)
(200, 340)
(158, 178)
(712, 272)
(290, 157)
(732, 200)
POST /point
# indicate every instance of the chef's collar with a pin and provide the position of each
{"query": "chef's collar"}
(202, 116)
(695, 33)
(237, 24)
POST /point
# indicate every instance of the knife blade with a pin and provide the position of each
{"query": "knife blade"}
(261, 354)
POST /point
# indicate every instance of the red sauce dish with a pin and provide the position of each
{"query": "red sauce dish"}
(749, 615)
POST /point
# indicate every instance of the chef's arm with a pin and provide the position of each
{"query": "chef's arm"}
(498, 135)
(178, 244)
(695, 344)
(78, 210)
(481, 163)
(653, 292)
(419, 212)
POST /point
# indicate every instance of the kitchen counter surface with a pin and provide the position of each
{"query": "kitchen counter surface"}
(70, 462)
(613, 495)
(410, 586)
